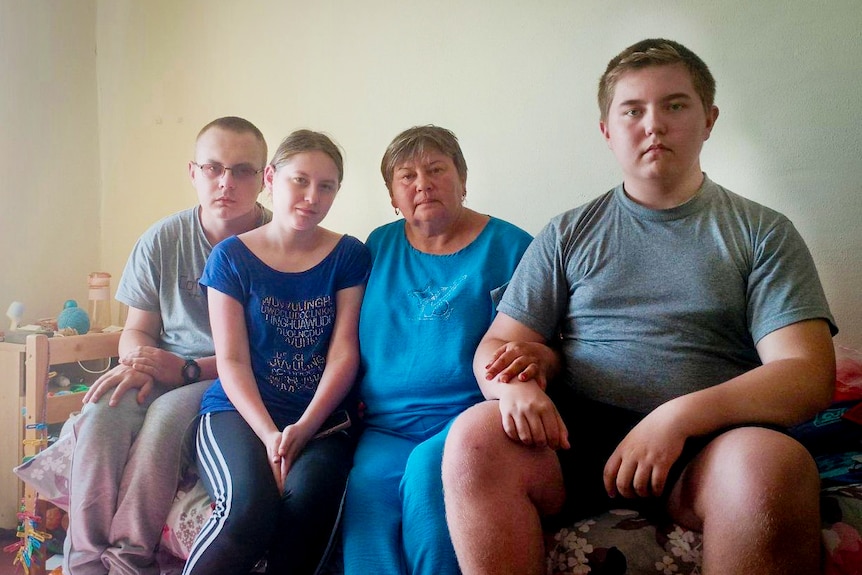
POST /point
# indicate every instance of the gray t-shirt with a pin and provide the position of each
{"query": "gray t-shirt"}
(161, 275)
(654, 304)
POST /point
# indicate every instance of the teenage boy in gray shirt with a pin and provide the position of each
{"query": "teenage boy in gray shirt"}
(130, 449)
(692, 329)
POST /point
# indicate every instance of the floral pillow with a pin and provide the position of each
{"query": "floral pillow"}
(189, 512)
(622, 541)
(48, 472)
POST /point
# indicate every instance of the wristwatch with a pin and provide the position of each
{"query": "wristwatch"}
(191, 371)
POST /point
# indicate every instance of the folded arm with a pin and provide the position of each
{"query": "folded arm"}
(795, 381)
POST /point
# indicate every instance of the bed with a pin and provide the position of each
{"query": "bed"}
(617, 542)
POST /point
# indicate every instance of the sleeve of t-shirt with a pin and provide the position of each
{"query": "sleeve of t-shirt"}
(355, 264)
(220, 272)
(783, 286)
(138, 287)
(537, 294)
(508, 250)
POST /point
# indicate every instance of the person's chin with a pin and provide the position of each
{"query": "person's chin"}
(225, 212)
(429, 209)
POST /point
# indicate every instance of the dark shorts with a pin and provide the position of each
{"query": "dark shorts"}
(595, 430)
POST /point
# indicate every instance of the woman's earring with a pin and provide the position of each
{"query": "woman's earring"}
(397, 212)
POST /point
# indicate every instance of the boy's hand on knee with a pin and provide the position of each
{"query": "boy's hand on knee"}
(117, 382)
(640, 464)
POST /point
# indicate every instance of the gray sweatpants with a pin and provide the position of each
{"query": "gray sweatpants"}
(125, 470)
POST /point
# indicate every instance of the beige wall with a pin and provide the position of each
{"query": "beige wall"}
(49, 157)
(515, 80)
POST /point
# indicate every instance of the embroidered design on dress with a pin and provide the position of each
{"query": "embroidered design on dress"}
(435, 302)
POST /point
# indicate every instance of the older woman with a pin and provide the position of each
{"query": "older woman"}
(429, 300)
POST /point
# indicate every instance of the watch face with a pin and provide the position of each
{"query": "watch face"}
(191, 371)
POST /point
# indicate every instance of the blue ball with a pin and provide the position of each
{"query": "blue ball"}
(74, 317)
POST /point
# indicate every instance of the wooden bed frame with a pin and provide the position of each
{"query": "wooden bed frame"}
(45, 404)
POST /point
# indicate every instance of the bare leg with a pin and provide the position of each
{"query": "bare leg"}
(754, 493)
(490, 480)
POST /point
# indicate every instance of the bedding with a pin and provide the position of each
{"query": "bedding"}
(616, 542)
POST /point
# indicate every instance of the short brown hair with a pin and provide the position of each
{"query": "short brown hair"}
(415, 142)
(655, 52)
(236, 125)
(302, 141)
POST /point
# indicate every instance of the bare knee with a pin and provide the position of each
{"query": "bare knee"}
(785, 487)
(480, 460)
(488, 479)
(473, 445)
(753, 492)
(760, 468)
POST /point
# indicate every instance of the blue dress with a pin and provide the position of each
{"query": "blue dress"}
(422, 317)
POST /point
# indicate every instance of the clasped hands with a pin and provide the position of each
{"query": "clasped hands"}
(138, 370)
(283, 447)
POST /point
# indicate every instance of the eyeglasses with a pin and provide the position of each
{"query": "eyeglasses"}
(239, 171)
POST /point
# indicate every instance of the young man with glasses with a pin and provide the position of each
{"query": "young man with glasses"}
(130, 439)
